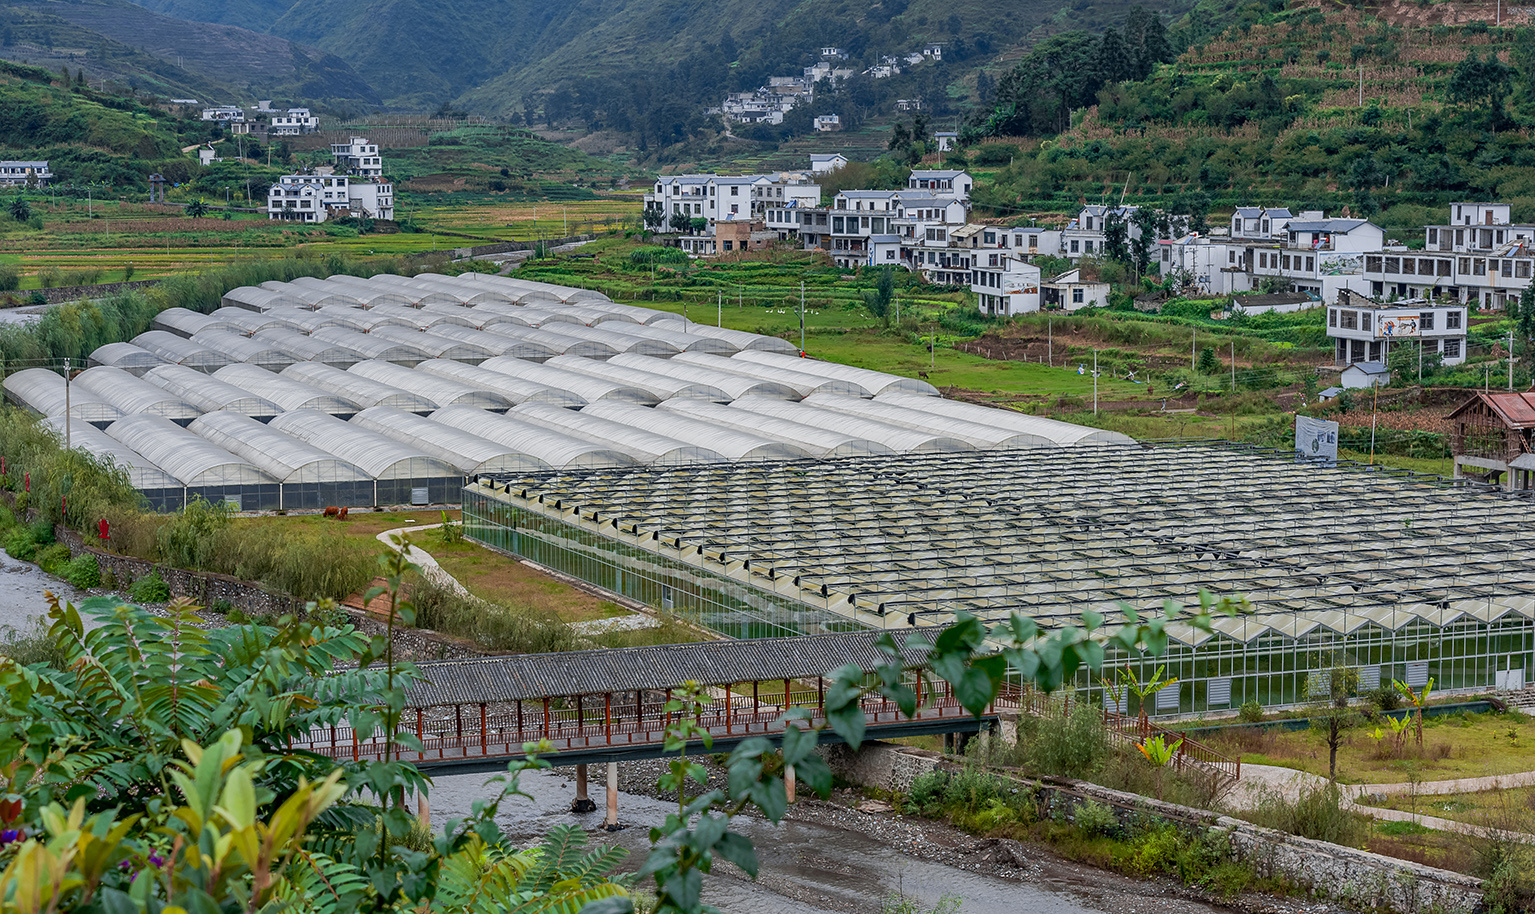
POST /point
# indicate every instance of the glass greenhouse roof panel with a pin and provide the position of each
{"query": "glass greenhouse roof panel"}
(739, 339)
(640, 445)
(288, 393)
(142, 473)
(816, 442)
(180, 351)
(726, 441)
(588, 387)
(245, 349)
(379, 348)
(466, 451)
(245, 323)
(190, 458)
(515, 390)
(1065, 434)
(661, 386)
(876, 382)
(180, 321)
(438, 390)
(683, 342)
(897, 438)
(209, 394)
(42, 392)
(977, 434)
(301, 348)
(283, 457)
(438, 345)
(134, 395)
(732, 385)
(130, 358)
(356, 388)
(559, 450)
(378, 455)
(802, 382)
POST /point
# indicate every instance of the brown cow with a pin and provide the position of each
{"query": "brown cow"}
(341, 515)
(332, 511)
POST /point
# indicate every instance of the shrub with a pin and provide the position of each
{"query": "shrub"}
(10, 278)
(83, 572)
(20, 545)
(1155, 849)
(1093, 818)
(495, 626)
(1251, 712)
(1063, 744)
(1384, 698)
(926, 793)
(31, 646)
(52, 559)
(1317, 812)
(150, 589)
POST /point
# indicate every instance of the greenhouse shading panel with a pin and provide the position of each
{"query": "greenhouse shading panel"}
(1065, 434)
(558, 450)
(515, 390)
(402, 475)
(135, 396)
(288, 393)
(379, 348)
(739, 339)
(683, 342)
(618, 342)
(301, 348)
(438, 347)
(974, 433)
(801, 382)
(875, 382)
(204, 468)
(587, 387)
(661, 386)
(728, 442)
(816, 442)
(130, 358)
(180, 351)
(898, 438)
(307, 476)
(180, 321)
(42, 392)
(902, 542)
(466, 451)
(209, 394)
(434, 388)
(644, 446)
(731, 385)
(355, 388)
(163, 491)
(245, 349)
(247, 323)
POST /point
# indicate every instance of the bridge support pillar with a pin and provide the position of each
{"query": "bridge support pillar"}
(788, 782)
(582, 802)
(611, 824)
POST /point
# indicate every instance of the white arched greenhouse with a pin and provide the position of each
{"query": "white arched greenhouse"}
(661, 386)
(436, 389)
(898, 438)
(644, 446)
(730, 443)
(732, 385)
(135, 396)
(402, 475)
(43, 392)
(307, 476)
(250, 350)
(588, 387)
(130, 358)
(209, 394)
(817, 442)
(557, 449)
(163, 491)
(800, 382)
(181, 322)
(202, 467)
(369, 346)
(466, 451)
(287, 392)
(181, 351)
(356, 388)
(515, 390)
(875, 382)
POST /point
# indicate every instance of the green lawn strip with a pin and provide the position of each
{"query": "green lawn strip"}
(1510, 808)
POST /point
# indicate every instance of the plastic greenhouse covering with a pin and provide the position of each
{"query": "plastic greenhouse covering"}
(288, 393)
(523, 346)
(180, 351)
(557, 449)
(976, 434)
(470, 293)
(618, 342)
(130, 358)
(897, 438)
(197, 462)
(421, 294)
(683, 342)
(283, 457)
(301, 348)
(801, 382)
(875, 382)
(438, 347)
(398, 315)
(401, 474)
(135, 396)
(435, 389)
(515, 390)
(209, 394)
(372, 294)
(739, 339)
(255, 298)
(246, 349)
(644, 446)
(42, 392)
(317, 293)
(374, 347)
(309, 321)
(537, 317)
(732, 385)
(816, 442)
(245, 323)
(558, 343)
(723, 440)
(661, 386)
(638, 314)
(164, 491)
(355, 388)
(587, 387)
(472, 318)
(1061, 433)
(466, 451)
(181, 322)
(496, 344)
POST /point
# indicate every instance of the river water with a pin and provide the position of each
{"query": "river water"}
(22, 593)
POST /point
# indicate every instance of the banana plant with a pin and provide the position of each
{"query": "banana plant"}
(1146, 691)
(1158, 752)
(1419, 701)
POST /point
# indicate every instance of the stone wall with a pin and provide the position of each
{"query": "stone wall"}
(204, 587)
(1342, 874)
(74, 293)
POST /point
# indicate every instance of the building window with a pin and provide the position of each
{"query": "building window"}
(1508, 268)
(1452, 349)
(1479, 267)
(1332, 317)
(1231, 256)
(1426, 320)
(1076, 296)
(1433, 236)
(1310, 264)
(1087, 246)
(1073, 247)
(735, 208)
(1364, 320)
(1452, 320)
(1348, 320)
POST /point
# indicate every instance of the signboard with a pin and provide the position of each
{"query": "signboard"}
(1316, 437)
(1393, 326)
(1342, 265)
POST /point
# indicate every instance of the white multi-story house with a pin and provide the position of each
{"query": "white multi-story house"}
(25, 174)
(1261, 223)
(294, 122)
(1308, 253)
(1366, 330)
(728, 198)
(353, 187)
(826, 123)
(1005, 283)
(307, 198)
(1480, 257)
(946, 139)
(224, 114)
(821, 163)
(942, 183)
(358, 158)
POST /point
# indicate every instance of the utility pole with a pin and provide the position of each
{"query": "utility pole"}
(1510, 360)
(1193, 346)
(1095, 382)
(68, 432)
(802, 317)
(1050, 339)
(1374, 401)
(1233, 366)
(1361, 85)
(719, 318)
(932, 349)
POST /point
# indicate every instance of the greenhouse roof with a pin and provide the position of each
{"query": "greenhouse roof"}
(42, 391)
(515, 390)
(192, 459)
(733, 386)
(356, 388)
(730, 443)
(130, 358)
(661, 386)
(135, 395)
(381, 348)
(377, 455)
(179, 350)
(558, 450)
(801, 382)
(287, 392)
(817, 442)
(142, 472)
(283, 457)
(180, 321)
(467, 451)
(876, 382)
(588, 387)
(434, 388)
(900, 541)
(643, 445)
(209, 394)
(253, 351)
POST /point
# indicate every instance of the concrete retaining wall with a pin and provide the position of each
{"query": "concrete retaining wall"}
(1331, 871)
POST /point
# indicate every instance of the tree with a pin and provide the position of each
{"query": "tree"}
(1481, 83)
(681, 221)
(1113, 62)
(1332, 714)
(878, 301)
(1524, 322)
(197, 208)
(21, 211)
(1116, 233)
(1208, 363)
(654, 217)
(1418, 700)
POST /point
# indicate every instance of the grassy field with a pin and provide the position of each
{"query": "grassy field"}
(1454, 746)
(1510, 808)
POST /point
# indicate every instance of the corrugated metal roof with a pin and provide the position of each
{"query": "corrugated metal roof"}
(1517, 410)
(529, 677)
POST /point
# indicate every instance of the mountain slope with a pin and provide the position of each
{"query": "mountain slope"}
(256, 15)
